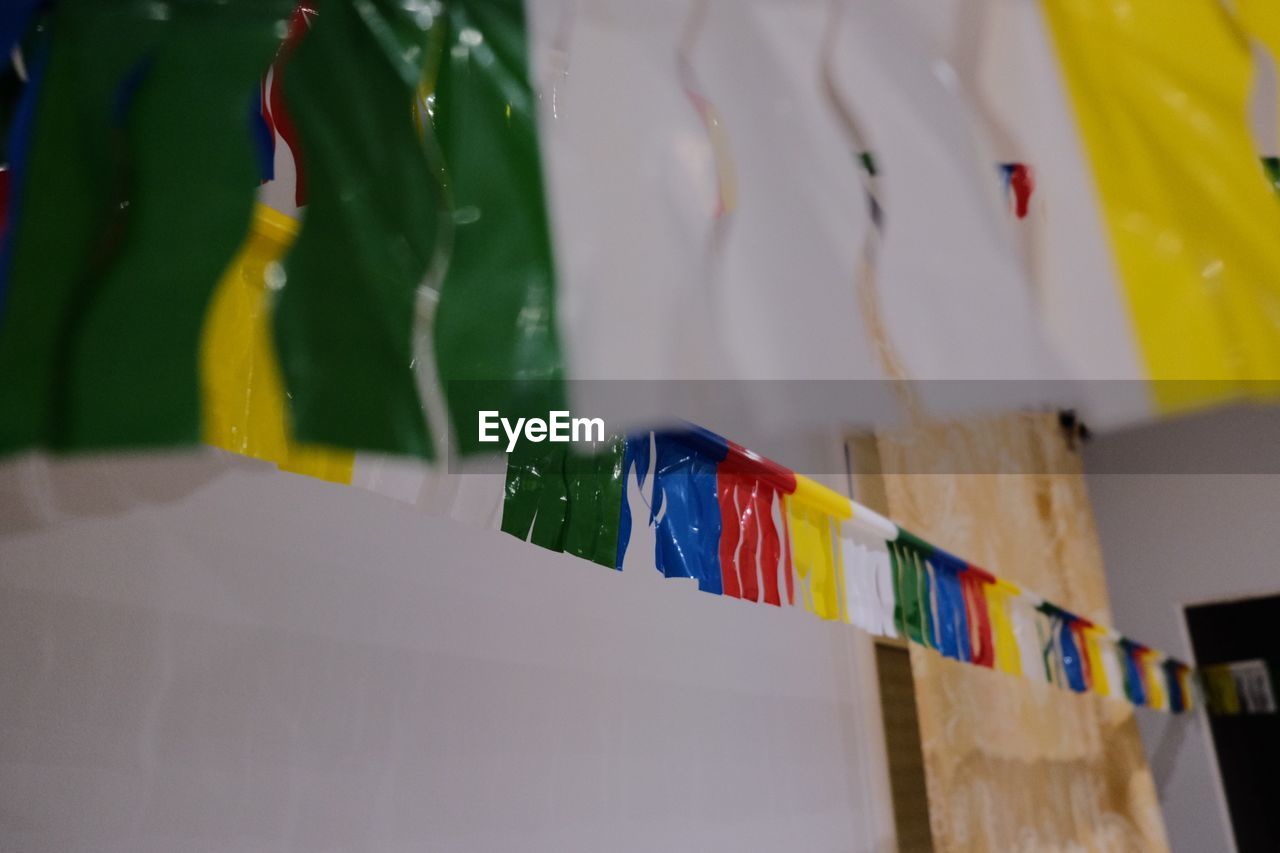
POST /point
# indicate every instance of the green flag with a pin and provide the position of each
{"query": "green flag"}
(345, 314)
(496, 343)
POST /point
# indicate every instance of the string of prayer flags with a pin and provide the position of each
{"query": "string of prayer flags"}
(1240, 687)
(745, 527)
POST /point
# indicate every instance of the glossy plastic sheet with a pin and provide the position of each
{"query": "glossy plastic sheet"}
(1100, 677)
(973, 582)
(565, 498)
(750, 541)
(15, 17)
(999, 601)
(867, 604)
(18, 133)
(1134, 680)
(72, 139)
(685, 509)
(1112, 671)
(132, 357)
(1220, 686)
(1177, 701)
(1153, 676)
(816, 558)
(953, 618)
(1161, 100)
(595, 499)
(496, 340)
(1073, 662)
(908, 565)
(536, 494)
(344, 318)
(1025, 621)
(140, 234)
(277, 106)
(262, 132)
(749, 491)
(243, 404)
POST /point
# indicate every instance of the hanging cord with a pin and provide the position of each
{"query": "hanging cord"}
(717, 134)
(865, 277)
(430, 389)
(713, 299)
(558, 66)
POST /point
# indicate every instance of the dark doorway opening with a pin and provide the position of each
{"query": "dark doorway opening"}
(1248, 745)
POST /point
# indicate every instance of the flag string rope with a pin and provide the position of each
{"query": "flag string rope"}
(712, 508)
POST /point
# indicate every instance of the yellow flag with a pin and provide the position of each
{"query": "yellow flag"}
(244, 404)
(1160, 93)
(815, 558)
(1008, 657)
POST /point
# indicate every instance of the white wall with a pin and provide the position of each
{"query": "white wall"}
(1188, 523)
(203, 654)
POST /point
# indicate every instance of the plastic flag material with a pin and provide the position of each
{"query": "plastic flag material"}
(140, 234)
(1000, 597)
(262, 131)
(1100, 675)
(858, 584)
(685, 510)
(816, 558)
(132, 366)
(1239, 687)
(954, 630)
(1157, 695)
(277, 108)
(1177, 702)
(1220, 686)
(973, 583)
(243, 403)
(1134, 679)
(1073, 664)
(495, 336)
(15, 17)
(909, 557)
(1019, 183)
(1161, 101)
(566, 499)
(705, 503)
(750, 538)
(344, 317)
(17, 144)
(1026, 629)
(68, 155)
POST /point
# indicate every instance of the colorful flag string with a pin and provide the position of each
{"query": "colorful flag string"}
(746, 527)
